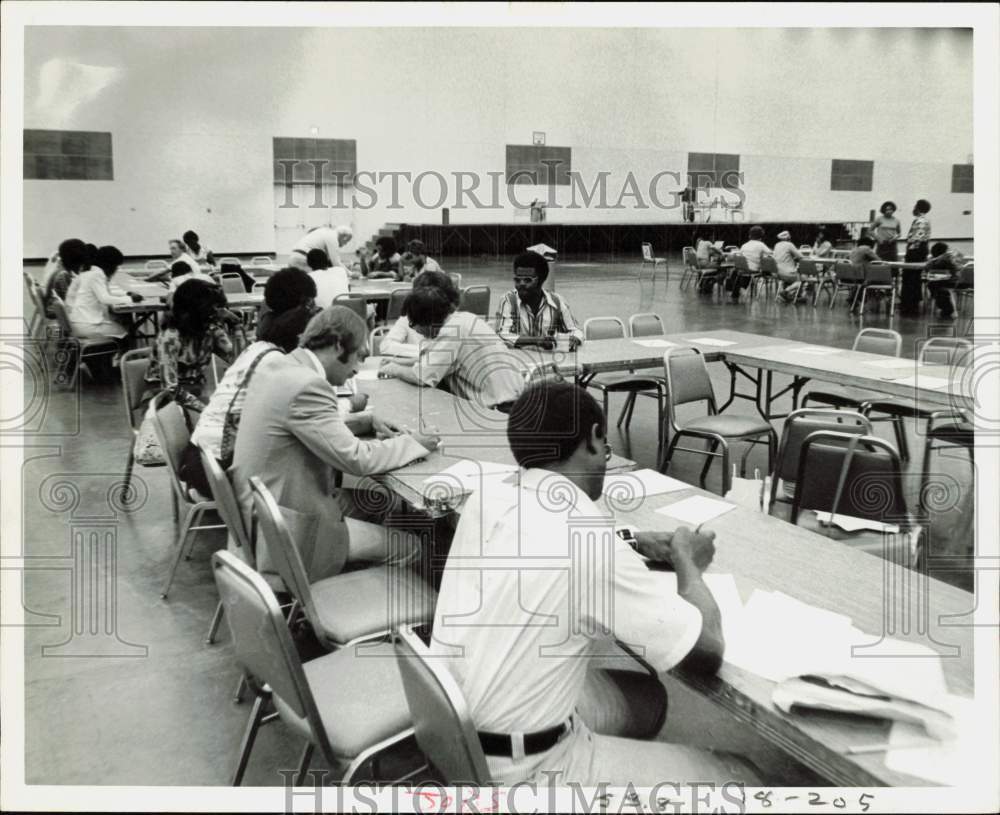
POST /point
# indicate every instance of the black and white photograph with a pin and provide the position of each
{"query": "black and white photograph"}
(500, 408)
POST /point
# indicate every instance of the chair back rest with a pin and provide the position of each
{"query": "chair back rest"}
(847, 272)
(156, 265)
(741, 264)
(456, 278)
(229, 261)
(768, 265)
(226, 503)
(647, 251)
(441, 721)
(947, 351)
(375, 340)
(967, 275)
(59, 309)
(687, 377)
(263, 645)
(261, 260)
(808, 268)
(133, 367)
(280, 546)
(355, 302)
(689, 256)
(799, 424)
(232, 283)
(645, 325)
(878, 274)
(476, 299)
(171, 430)
(878, 341)
(259, 288)
(604, 328)
(396, 298)
(855, 475)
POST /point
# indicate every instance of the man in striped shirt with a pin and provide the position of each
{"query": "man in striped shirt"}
(528, 314)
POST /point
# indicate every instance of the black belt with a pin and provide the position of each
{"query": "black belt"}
(500, 744)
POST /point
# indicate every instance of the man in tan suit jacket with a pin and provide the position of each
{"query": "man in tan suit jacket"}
(293, 437)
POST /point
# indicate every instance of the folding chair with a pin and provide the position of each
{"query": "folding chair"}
(261, 260)
(946, 351)
(350, 607)
(878, 278)
(355, 302)
(476, 299)
(133, 367)
(395, 308)
(809, 276)
(798, 425)
(172, 433)
(456, 278)
(871, 341)
(846, 277)
(441, 721)
(375, 340)
(73, 351)
(603, 328)
(859, 476)
(688, 381)
(649, 259)
(766, 278)
(945, 429)
(350, 705)
(232, 283)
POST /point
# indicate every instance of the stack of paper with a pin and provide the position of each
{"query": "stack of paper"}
(696, 510)
(655, 343)
(713, 341)
(964, 760)
(851, 524)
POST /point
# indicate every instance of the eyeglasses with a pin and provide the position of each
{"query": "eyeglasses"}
(608, 452)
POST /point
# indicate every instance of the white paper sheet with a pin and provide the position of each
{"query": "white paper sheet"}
(655, 343)
(642, 483)
(922, 381)
(367, 375)
(892, 362)
(712, 341)
(818, 350)
(467, 476)
(961, 761)
(851, 524)
(727, 598)
(696, 510)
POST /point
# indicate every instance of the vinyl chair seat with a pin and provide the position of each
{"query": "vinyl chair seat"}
(727, 425)
(963, 433)
(898, 406)
(343, 684)
(355, 604)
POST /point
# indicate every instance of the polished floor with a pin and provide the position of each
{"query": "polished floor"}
(124, 691)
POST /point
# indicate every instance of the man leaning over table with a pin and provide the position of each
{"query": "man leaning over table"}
(522, 640)
(530, 315)
(293, 436)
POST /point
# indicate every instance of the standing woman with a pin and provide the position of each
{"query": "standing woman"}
(191, 333)
(917, 242)
(885, 231)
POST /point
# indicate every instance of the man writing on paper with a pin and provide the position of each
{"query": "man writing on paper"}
(520, 637)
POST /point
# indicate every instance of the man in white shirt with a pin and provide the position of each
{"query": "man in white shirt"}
(331, 281)
(538, 587)
(786, 258)
(327, 238)
(753, 250)
(182, 271)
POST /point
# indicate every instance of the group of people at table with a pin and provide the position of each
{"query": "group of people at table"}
(538, 712)
(876, 244)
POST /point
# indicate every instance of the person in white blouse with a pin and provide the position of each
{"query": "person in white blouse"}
(330, 239)
(182, 271)
(331, 281)
(89, 299)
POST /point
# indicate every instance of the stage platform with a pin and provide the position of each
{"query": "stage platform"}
(606, 241)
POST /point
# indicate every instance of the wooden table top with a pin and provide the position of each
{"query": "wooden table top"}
(376, 289)
(763, 552)
(467, 431)
(155, 302)
(856, 369)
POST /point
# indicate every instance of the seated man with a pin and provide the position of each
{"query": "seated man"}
(532, 688)
(292, 436)
(787, 258)
(416, 259)
(943, 259)
(528, 314)
(753, 250)
(861, 256)
(461, 353)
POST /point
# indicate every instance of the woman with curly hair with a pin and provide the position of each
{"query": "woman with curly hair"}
(192, 331)
(885, 230)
